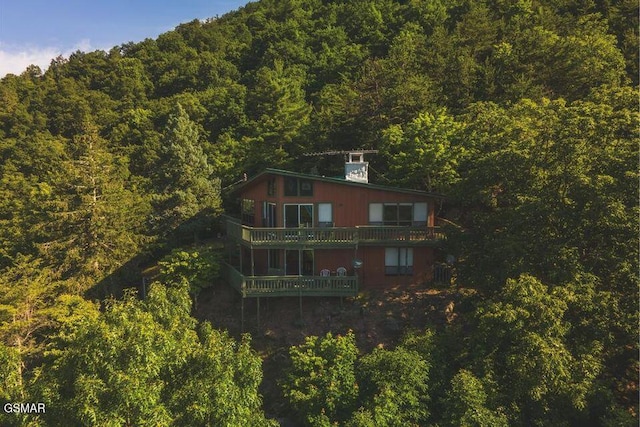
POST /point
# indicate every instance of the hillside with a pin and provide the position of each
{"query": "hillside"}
(525, 113)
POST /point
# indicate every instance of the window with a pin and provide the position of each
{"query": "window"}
(298, 187)
(248, 213)
(274, 258)
(325, 215)
(375, 214)
(420, 214)
(299, 262)
(298, 215)
(398, 261)
(268, 214)
(306, 187)
(398, 214)
(271, 187)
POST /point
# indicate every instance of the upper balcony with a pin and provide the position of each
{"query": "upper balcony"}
(334, 237)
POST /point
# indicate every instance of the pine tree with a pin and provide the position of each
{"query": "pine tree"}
(188, 193)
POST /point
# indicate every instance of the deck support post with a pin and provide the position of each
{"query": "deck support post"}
(258, 314)
(253, 271)
(242, 315)
(300, 303)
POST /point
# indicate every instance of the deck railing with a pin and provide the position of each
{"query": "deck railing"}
(334, 236)
(276, 286)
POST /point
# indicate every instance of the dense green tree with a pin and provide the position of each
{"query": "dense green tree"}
(521, 343)
(143, 362)
(95, 220)
(321, 383)
(188, 193)
(28, 295)
(218, 384)
(280, 112)
(425, 153)
(198, 267)
(467, 403)
(11, 384)
(393, 387)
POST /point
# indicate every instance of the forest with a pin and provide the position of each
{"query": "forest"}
(524, 113)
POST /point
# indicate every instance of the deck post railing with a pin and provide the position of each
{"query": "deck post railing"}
(254, 286)
(365, 234)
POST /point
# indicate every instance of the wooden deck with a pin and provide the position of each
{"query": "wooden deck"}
(334, 237)
(280, 286)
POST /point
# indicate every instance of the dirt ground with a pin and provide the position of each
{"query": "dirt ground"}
(378, 317)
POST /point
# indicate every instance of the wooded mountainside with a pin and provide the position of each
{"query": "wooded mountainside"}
(525, 113)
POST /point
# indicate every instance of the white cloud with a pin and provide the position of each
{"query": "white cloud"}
(15, 60)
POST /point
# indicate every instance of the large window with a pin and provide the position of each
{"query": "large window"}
(298, 215)
(298, 187)
(268, 214)
(325, 215)
(398, 261)
(248, 212)
(274, 259)
(398, 214)
(299, 262)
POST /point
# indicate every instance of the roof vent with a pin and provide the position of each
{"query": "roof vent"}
(356, 169)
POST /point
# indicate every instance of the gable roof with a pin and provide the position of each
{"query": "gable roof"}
(334, 180)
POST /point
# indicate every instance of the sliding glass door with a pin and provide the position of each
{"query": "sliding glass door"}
(298, 215)
(299, 262)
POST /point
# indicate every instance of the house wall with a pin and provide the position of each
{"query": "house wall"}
(350, 206)
(372, 274)
(350, 203)
(373, 268)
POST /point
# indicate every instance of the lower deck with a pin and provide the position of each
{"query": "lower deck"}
(325, 272)
(283, 285)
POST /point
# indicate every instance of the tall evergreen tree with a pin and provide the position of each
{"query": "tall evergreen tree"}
(95, 220)
(188, 193)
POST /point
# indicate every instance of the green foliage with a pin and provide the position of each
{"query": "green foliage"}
(143, 363)
(425, 153)
(394, 386)
(521, 343)
(279, 107)
(321, 381)
(467, 403)
(28, 294)
(187, 188)
(523, 112)
(95, 219)
(218, 384)
(198, 267)
(538, 193)
(327, 382)
(11, 384)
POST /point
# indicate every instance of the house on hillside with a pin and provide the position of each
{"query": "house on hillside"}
(309, 235)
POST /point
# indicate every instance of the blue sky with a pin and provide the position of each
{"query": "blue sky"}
(36, 31)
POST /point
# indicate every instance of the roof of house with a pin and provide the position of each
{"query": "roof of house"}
(334, 180)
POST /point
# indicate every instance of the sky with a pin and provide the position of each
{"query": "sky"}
(36, 31)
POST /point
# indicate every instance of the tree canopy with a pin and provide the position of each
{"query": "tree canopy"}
(523, 113)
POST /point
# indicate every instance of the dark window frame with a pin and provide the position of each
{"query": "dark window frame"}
(271, 187)
(248, 212)
(298, 187)
(400, 268)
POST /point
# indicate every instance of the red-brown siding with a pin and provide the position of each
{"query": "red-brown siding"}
(350, 203)
(350, 207)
